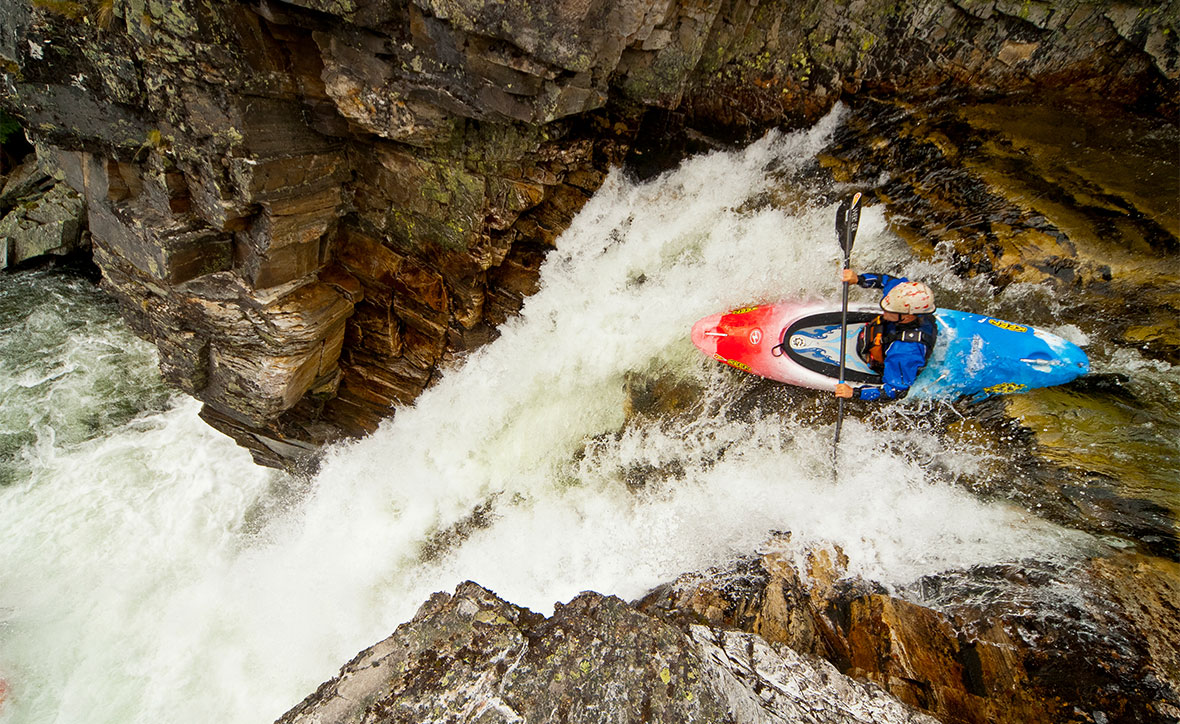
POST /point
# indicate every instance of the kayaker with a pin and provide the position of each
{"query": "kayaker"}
(897, 343)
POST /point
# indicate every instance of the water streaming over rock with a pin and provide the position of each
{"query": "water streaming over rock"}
(151, 573)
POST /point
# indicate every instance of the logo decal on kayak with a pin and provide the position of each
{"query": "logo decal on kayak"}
(756, 337)
(743, 310)
(1007, 325)
(733, 363)
(1005, 388)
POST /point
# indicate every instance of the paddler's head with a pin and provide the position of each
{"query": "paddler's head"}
(906, 300)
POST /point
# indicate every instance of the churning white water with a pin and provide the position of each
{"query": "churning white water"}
(151, 573)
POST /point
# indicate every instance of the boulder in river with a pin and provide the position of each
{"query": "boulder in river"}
(472, 657)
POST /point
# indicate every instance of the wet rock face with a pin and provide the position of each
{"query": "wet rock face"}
(1009, 657)
(1045, 210)
(471, 656)
(311, 206)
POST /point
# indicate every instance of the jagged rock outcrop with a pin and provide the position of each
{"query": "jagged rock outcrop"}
(471, 657)
(39, 216)
(310, 206)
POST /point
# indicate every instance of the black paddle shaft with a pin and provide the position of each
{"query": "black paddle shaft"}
(847, 221)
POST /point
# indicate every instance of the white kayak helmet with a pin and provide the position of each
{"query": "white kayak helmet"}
(909, 298)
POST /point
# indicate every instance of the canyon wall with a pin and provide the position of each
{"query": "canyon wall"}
(310, 207)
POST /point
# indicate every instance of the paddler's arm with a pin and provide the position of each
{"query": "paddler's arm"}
(884, 282)
(902, 365)
(868, 392)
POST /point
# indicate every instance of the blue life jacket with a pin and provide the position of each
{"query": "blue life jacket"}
(896, 350)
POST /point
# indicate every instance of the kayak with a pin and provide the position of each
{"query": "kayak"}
(975, 355)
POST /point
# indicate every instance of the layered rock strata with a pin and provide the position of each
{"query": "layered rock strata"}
(311, 206)
(1012, 655)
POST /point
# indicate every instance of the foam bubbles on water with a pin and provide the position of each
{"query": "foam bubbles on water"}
(100, 539)
(530, 425)
(718, 487)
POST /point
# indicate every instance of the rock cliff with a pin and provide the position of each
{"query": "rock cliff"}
(310, 206)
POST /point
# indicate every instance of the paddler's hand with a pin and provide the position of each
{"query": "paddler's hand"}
(844, 390)
(847, 275)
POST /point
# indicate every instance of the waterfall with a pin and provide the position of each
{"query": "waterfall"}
(152, 573)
